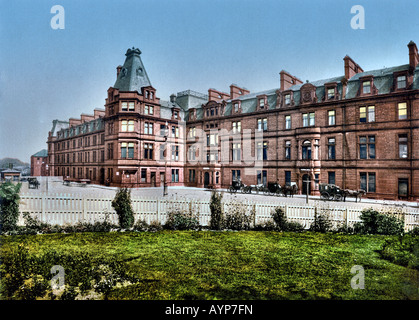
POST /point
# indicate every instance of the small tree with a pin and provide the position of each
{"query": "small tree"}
(217, 214)
(122, 205)
(9, 206)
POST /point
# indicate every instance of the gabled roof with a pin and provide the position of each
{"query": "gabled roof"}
(133, 75)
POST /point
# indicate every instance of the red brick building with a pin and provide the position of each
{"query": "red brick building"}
(357, 130)
(39, 162)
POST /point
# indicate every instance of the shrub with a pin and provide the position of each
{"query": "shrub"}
(414, 231)
(9, 206)
(282, 223)
(238, 219)
(321, 223)
(180, 220)
(374, 222)
(141, 225)
(217, 215)
(155, 226)
(265, 226)
(122, 205)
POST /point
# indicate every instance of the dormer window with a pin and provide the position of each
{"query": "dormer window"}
(366, 87)
(261, 103)
(236, 107)
(401, 82)
(176, 114)
(287, 99)
(330, 93)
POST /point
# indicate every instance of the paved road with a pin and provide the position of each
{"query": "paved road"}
(56, 186)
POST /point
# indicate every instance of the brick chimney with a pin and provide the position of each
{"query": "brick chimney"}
(236, 91)
(287, 80)
(215, 95)
(413, 56)
(351, 67)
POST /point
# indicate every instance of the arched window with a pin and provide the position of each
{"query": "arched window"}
(306, 150)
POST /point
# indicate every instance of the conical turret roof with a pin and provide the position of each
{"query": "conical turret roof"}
(133, 76)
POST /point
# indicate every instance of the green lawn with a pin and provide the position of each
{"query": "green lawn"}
(219, 265)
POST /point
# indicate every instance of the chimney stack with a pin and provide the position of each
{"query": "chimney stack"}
(351, 67)
(287, 80)
(172, 98)
(413, 56)
(236, 91)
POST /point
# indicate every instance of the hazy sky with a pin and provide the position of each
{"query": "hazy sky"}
(48, 74)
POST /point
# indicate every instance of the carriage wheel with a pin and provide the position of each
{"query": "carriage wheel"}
(243, 189)
(338, 197)
(324, 196)
(232, 190)
(266, 192)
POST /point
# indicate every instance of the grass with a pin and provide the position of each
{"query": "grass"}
(236, 265)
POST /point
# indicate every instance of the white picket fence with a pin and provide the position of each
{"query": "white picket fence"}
(60, 208)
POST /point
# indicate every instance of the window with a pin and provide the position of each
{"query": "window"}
(367, 147)
(330, 93)
(367, 181)
(403, 146)
(366, 87)
(287, 122)
(367, 114)
(124, 106)
(331, 143)
(148, 128)
(287, 99)
(148, 151)
(192, 132)
(176, 114)
(236, 107)
(192, 175)
(162, 150)
(110, 152)
(308, 119)
(191, 153)
(175, 153)
(332, 117)
(306, 150)
(127, 106)
(143, 175)
(402, 110)
(262, 177)
(127, 125)
(237, 126)
(288, 178)
(212, 139)
(401, 82)
(263, 124)
(212, 156)
(127, 150)
(148, 109)
(261, 103)
(262, 151)
(236, 151)
(131, 106)
(175, 132)
(235, 175)
(288, 149)
(331, 177)
(175, 175)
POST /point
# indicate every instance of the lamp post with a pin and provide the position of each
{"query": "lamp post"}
(166, 134)
(307, 188)
(47, 172)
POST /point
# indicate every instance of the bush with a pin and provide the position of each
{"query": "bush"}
(141, 225)
(122, 205)
(217, 215)
(179, 220)
(282, 223)
(414, 231)
(238, 219)
(374, 222)
(321, 223)
(155, 226)
(9, 206)
(265, 226)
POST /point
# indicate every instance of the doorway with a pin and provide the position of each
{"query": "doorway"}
(403, 188)
(306, 184)
(161, 179)
(206, 179)
(153, 179)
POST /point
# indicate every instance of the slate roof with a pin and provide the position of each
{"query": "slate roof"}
(40, 154)
(133, 75)
(58, 125)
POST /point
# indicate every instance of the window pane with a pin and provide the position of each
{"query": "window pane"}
(371, 182)
(332, 178)
(363, 181)
(363, 114)
(371, 114)
(402, 111)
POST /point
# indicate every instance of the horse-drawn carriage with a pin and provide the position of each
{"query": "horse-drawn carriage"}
(275, 189)
(33, 183)
(239, 185)
(333, 192)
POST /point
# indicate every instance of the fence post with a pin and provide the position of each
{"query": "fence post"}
(158, 209)
(346, 216)
(43, 207)
(286, 211)
(83, 210)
